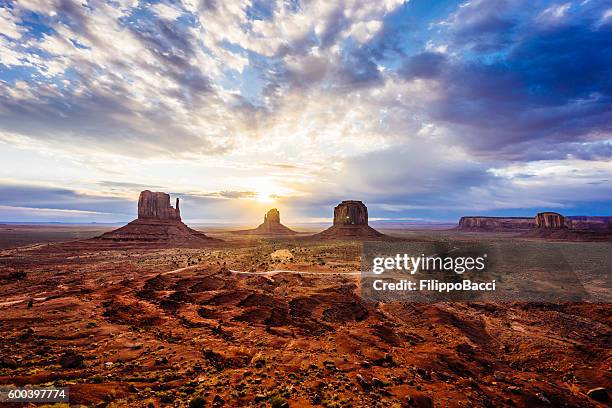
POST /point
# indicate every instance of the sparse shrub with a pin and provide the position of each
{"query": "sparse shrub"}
(167, 397)
(197, 402)
(97, 379)
(279, 402)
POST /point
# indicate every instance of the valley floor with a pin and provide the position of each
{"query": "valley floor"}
(163, 327)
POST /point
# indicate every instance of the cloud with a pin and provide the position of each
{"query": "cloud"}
(534, 95)
(167, 12)
(121, 85)
(127, 186)
(227, 194)
(8, 24)
(62, 202)
(322, 99)
(49, 203)
(424, 65)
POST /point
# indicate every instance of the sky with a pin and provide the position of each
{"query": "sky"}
(424, 110)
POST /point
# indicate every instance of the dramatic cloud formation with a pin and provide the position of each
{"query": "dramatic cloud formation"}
(422, 110)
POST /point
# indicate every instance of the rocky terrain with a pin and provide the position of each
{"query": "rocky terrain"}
(270, 226)
(158, 314)
(568, 234)
(350, 221)
(158, 223)
(220, 326)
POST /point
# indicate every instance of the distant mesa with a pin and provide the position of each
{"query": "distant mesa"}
(157, 222)
(590, 223)
(548, 224)
(496, 224)
(350, 221)
(554, 226)
(270, 226)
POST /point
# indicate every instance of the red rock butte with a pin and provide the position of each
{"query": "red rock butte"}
(550, 220)
(350, 221)
(270, 226)
(157, 206)
(157, 222)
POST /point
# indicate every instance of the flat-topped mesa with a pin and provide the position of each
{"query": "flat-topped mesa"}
(548, 225)
(351, 212)
(496, 223)
(156, 205)
(350, 222)
(550, 220)
(589, 223)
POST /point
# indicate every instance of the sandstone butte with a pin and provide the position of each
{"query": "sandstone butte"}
(550, 220)
(350, 221)
(270, 226)
(157, 223)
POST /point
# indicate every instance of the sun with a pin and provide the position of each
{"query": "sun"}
(265, 192)
(265, 196)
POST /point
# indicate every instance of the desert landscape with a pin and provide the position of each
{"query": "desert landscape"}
(305, 203)
(158, 314)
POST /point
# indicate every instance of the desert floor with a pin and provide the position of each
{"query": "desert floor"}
(144, 326)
